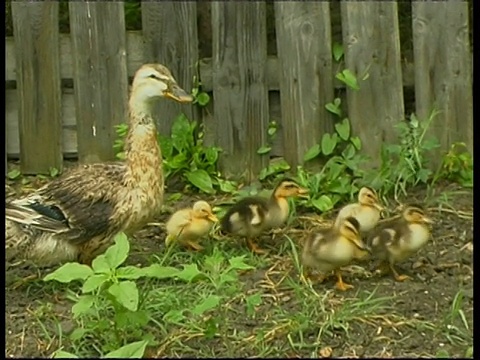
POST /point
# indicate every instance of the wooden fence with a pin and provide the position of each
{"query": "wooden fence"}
(249, 88)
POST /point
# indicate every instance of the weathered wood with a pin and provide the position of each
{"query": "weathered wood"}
(306, 82)
(135, 59)
(35, 26)
(69, 128)
(170, 37)
(100, 76)
(372, 53)
(443, 70)
(241, 95)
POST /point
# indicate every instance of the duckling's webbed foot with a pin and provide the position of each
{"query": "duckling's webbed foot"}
(397, 276)
(255, 248)
(192, 245)
(316, 278)
(340, 285)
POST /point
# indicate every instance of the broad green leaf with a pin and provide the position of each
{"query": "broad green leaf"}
(160, 272)
(469, 352)
(60, 354)
(101, 265)
(333, 109)
(209, 303)
(118, 253)
(253, 301)
(82, 306)
(227, 186)
(355, 140)
(130, 272)
(329, 142)
(13, 174)
(323, 203)
(203, 99)
(264, 150)
(349, 151)
(238, 263)
(201, 180)
(77, 334)
(94, 282)
(228, 277)
(126, 293)
(174, 316)
(343, 129)
(211, 155)
(129, 319)
(312, 153)
(189, 272)
(131, 351)
(166, 145)
(182, 135)
(337, 50)
(272, 130)
(347, 77)
(69, 272)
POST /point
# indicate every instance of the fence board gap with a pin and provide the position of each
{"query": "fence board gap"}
(100, 76)
(306, 81)
(373, 55)
(170, 38)
(239, 86)
(35, 26)
(443, 70)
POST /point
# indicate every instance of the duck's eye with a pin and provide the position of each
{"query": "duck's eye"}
(153, 76)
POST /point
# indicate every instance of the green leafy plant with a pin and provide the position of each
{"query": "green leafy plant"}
(406, 163)
(112, 312)
(457, 165)
(185, 155)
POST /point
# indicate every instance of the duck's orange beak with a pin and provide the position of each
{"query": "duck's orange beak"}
(302, 192)
(178, 94)
(212, 217)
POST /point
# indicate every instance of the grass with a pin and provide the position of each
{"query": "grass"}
(260, 307)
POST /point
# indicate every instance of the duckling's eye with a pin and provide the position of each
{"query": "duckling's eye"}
(153, 76)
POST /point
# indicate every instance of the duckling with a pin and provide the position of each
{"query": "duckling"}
(367, 211)
(190, 224)
(253, 215)
(75, 217)
(330, 249)
(400, 238)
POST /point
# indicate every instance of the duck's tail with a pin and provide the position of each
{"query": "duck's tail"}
(36, 215)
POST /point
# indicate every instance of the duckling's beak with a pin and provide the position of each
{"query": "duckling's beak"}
(178, 94)
(427, 220)
(212, 218)
(303, 193)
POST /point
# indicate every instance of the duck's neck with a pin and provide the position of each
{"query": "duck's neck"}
(142, 152)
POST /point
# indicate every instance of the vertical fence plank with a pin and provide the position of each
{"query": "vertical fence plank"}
(35, 26)
(306, 81)
(443, 70)
(372, 53)
(100, 76)
(239, 85)
(170, 37)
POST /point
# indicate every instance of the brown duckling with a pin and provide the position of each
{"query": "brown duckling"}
(254, 214)
(330, 249)
(367, 210)
(188, 225)
(400, 238)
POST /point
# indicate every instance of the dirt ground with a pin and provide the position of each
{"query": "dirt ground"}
(440, 272)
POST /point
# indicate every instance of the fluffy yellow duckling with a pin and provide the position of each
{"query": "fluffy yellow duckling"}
(330, 249)
(367, 210)
(398, 239)
(254, 214)
(188, 225)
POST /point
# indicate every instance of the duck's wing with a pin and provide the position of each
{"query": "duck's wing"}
(79, 205)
